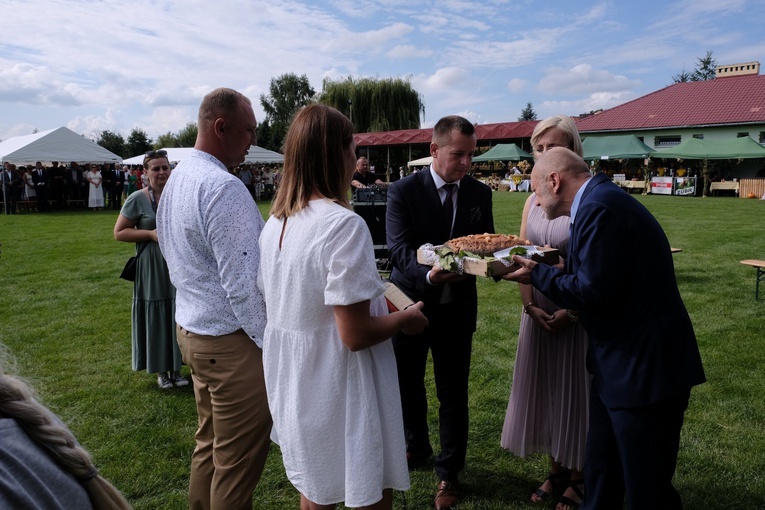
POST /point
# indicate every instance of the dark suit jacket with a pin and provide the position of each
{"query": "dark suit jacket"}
(40, 182)
(12, 184)
(621, 277)
(415, 216)
(116, 183)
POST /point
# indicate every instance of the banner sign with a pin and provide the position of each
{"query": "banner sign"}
(661, 185)
(685, 186)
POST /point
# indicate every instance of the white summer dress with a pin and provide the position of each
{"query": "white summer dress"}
(337, 413)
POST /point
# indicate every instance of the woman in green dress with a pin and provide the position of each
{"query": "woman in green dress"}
(132, 185)
(153, 317)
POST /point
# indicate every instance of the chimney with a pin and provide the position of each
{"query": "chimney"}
(737, 69)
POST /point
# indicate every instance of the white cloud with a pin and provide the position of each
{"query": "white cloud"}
(408, 51)
(596, 101)
(517, 84)
(584, 79)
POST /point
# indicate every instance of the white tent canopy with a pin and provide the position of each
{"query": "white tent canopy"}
(60, 144)
(260, 155)
(421, 162)
(255, 154)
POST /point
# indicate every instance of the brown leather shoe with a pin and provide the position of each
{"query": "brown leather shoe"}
(448, 494)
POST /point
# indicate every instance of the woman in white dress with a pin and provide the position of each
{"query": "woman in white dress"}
(96, 193)
(29, 185)
(327, 357)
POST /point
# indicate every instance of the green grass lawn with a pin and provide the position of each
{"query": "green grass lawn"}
(65, 317)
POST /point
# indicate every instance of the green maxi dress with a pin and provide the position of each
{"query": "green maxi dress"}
(155, 348)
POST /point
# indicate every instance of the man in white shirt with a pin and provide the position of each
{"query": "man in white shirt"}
(208, 228)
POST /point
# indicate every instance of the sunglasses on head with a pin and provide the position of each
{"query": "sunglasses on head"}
(156, 154)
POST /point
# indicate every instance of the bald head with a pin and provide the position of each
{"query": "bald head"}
(557, 176)
(226, 126)
(561, 160)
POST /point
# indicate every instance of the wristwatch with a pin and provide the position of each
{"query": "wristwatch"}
(572, 316)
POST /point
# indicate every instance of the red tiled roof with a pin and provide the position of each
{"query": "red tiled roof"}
(500, 131)
(730, 100)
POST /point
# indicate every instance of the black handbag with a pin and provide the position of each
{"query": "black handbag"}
(128, 273)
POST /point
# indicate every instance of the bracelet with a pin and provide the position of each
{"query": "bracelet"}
(526, 308)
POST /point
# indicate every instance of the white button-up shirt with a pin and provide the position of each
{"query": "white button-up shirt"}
(208, 228)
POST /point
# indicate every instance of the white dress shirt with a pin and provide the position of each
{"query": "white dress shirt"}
(208, 228)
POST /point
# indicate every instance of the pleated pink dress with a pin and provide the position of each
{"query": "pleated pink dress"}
(549, 398)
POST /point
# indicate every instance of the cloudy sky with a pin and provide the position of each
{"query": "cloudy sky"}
(93, 65)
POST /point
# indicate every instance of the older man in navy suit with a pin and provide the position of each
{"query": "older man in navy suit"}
(643, 354)
(433, 206)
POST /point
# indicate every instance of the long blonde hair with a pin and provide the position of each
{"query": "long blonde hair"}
(314, 159)
(17, 402)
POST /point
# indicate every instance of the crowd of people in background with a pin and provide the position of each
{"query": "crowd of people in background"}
(260, 180)
(59, 186)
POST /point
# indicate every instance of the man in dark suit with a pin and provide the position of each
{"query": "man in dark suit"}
(117, 178)
(75, 182)
(41, 181)
(433, 206)
(57, 176)
(642, 355)
(12, 184)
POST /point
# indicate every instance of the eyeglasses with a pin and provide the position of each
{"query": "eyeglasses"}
(156, 154)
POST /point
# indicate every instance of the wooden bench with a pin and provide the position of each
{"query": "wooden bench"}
(723, 186)
(760, 266)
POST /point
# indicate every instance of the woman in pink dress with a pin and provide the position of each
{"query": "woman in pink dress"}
(549, 399)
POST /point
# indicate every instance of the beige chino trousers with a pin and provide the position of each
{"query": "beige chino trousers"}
(233, 437)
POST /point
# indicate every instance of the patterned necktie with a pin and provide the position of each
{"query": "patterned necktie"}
(449, 206)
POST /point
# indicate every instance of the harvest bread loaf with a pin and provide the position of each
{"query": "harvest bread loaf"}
(485, 244)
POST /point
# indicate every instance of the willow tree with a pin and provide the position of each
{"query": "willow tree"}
(386, 104)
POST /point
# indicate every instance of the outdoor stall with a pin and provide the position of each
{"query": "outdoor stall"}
(507, 152)
(707, 151)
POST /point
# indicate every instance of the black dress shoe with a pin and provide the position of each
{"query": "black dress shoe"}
(414, 459)
(448, 494)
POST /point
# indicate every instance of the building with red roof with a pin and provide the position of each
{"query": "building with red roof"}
(723, 108)
(730, 106)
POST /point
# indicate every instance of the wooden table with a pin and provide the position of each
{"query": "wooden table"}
(760, 266)
(723, 186)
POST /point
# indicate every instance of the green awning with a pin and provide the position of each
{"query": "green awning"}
(694, 148)
(503, 152)
(615, 147)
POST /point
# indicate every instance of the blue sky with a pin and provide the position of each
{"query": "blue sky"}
(93, 65)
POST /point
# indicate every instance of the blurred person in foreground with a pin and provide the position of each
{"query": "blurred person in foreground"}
(41, 463)
(329, 363)
(155, 348)
(548, 406)
(642, 350)
(440, 203)
(208, 228)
